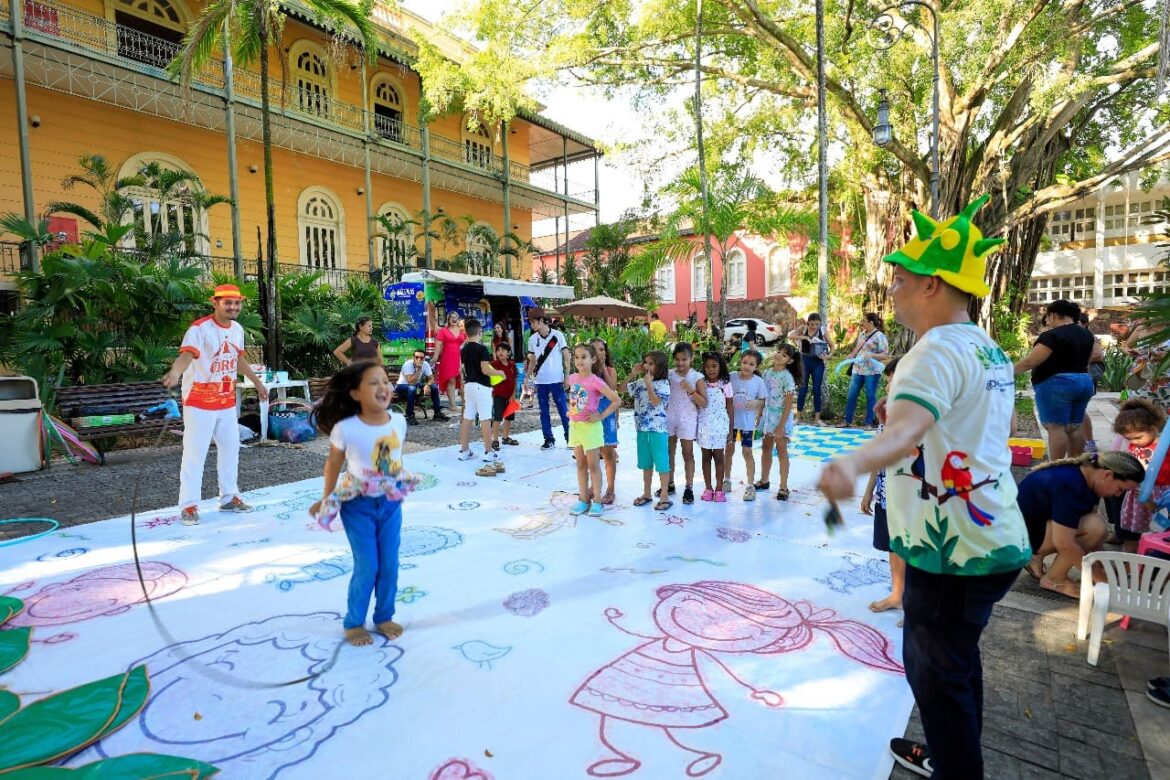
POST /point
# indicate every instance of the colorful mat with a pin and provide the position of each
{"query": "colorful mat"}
(724, 641)
(820, 444)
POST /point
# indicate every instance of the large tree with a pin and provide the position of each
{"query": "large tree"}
(1041, 101)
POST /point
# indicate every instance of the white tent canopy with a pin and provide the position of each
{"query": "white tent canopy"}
(494, 286)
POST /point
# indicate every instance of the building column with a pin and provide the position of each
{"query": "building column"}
(29, 249)
(1099, 251)
(505, 242)
(366, 130)
(596, 188)
(229, 98)
(428, 252)
(565, 155)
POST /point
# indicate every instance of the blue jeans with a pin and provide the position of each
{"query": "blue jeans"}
(557, 391)
(945, 616)
(871, 387)
(374, 528)
(410, 391)
(814, 372)
(1062, 399)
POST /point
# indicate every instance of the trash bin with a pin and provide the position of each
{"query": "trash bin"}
(20, 424)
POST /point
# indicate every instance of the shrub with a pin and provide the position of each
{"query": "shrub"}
(1118, 366)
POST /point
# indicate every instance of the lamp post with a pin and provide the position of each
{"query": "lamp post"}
(888, 34)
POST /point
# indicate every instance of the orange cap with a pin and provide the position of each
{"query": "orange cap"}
(227, 291)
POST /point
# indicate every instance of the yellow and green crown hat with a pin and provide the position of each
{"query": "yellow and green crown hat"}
(955, 250)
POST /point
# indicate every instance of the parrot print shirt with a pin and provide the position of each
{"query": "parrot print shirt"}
(952, 502)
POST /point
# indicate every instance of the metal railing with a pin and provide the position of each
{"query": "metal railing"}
(11, 258)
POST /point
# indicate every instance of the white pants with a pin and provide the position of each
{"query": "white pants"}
(200, 427)
(477, 402)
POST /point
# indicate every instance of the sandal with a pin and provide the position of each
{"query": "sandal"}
(662, 506)
(607, 499)
(762, 485)
(1035, 568)
(782, 494)
(1066, 588)
(642, 500)
(509, 440)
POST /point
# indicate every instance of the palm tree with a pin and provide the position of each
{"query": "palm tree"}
(247, 28)
(492, 249)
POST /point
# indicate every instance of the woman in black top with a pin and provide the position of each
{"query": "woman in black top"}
(813, 340)
(362, 345)
(1059, 363)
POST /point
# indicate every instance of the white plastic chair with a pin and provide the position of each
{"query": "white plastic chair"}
(1137, 586)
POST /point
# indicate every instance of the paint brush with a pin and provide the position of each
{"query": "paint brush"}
(833, 517)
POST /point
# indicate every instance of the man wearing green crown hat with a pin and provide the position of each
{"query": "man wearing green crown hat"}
(951, 498)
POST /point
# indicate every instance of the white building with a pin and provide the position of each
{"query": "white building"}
(1103, 252)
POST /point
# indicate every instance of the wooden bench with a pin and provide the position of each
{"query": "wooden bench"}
(130, 398)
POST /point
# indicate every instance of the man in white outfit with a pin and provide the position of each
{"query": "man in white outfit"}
(209, 360)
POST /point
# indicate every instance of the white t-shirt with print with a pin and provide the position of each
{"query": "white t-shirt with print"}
(952, 503)
(553, 370)
(370, 450)
(210, 379)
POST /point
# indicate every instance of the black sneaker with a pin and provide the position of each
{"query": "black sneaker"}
(1158, 682)
(548, 445)
(913, 756)
(412, 420)
(670, 488)
(440, 417)
(1159, 696)
(496, 446)
(688, 496)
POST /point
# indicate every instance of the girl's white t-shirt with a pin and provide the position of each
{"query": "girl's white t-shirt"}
(370, 450)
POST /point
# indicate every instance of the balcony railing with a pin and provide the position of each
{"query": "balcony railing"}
(11, 259)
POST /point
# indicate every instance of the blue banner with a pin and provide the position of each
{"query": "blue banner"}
(468, 301)
(407, 315)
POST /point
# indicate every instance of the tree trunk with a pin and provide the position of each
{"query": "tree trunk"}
(710, 275)
(273, 349)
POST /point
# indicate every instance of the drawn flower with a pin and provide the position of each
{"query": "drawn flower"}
(733, 534)
(527, 603)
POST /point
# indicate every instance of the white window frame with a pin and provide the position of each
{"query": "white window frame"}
(313, 91)
(163, 213)
(320, 239)
(404, 241)
(664, 283)
(782, 256)
(736, 282)
(698, 272)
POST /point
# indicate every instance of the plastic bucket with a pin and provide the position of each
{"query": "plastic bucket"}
(1021, 456)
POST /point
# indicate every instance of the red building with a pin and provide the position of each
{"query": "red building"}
(762, 276)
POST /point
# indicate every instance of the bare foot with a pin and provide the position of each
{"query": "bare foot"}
(1035, 567)
(358, 637)
(886, 604)
(1063, 587)
(389, 629)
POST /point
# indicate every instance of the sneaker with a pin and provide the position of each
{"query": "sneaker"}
(670, 488)
(440, 417)
(499, 466)
(235, 505)
(749, 493)
(727, 486)
(1158, 682)
(495, 446)
(912, 755)
(688, 495)
(595, 509)
(189, 516)
(720, 497)
(412, 420)
(548, 445)
(579, 508)
(467, 455)
(486, 470)
(1159, 696)
(708, 495)
(1090, 446)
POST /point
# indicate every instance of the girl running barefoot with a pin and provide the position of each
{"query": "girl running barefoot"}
(715, 424)
(610, 424)
(777, 421)
(586, 432)
(366, 440)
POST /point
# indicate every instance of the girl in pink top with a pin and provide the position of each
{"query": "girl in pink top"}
(586, 433)
(449, 340)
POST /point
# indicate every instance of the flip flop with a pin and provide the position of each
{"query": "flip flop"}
(782, 494)
(1032, 568)
(662, 506)
(1066, 588)
(642, 501)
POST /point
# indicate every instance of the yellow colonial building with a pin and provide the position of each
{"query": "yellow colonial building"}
(348, 144)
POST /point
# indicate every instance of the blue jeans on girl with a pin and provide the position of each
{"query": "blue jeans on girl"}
(871, 387)
(814, 372)
(374, 528)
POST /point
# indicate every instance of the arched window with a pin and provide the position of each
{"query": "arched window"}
(395, 247)
(320, 221)
(664, 283)
(477, 146)
(779, 278)
(389, 109)
(149, 31)
(480, 258)
(698, 278)
(311, 77)
(736, 274)
(163, 204)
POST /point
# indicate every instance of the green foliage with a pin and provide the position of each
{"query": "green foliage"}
(1009, 328)
(59, 725)
(1118, 367)
(607, 255)
(627, 346)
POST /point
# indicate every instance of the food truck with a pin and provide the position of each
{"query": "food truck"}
(423, 298)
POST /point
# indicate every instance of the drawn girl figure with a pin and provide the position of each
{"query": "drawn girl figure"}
(658, 683)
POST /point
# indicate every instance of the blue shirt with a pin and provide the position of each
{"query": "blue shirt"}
(648, 418)
(1056, 493)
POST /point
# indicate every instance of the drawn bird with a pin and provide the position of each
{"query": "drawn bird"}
(918, 471)
(957, 481)
(482, 653)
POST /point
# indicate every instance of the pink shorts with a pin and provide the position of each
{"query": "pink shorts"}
(682, 421)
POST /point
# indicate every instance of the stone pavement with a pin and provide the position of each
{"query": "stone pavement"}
(1048, 714)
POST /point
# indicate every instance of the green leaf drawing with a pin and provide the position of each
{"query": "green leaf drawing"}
(9, 608)
(142, 766)
(9, 703)
(13, 647)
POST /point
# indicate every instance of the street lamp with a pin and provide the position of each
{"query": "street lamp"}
(883, 133)
(888, 32)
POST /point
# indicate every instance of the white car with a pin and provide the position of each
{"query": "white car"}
(766, 332)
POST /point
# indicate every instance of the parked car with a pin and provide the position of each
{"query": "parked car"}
(766, 332)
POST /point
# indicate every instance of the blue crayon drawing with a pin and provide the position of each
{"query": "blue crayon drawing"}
(523, 566)
(869, 571)
(72, 552)
(298, 505)
(265, 540)
(286, 725)
(409, 595)
(482, 653)
(427, 540)
(318, 571)
(464, 506)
